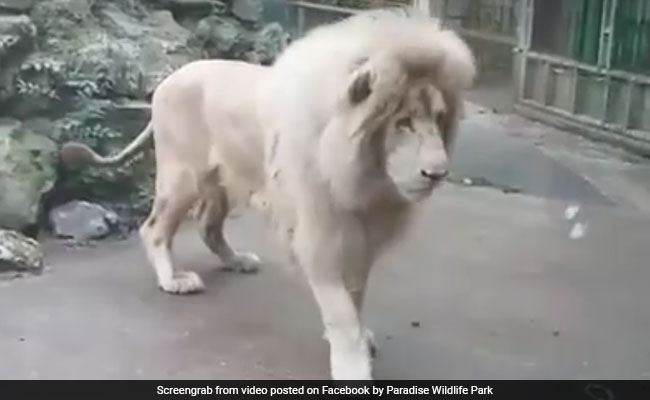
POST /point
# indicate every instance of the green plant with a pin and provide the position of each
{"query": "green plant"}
(40, 78)
(31, 89)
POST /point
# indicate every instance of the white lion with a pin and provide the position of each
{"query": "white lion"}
(310, 141)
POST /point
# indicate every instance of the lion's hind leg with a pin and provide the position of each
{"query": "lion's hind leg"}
(175, 193)
(211, 217)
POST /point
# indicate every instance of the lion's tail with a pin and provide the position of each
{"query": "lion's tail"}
(79, 154)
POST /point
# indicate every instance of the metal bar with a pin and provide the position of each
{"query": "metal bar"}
(590, 121)
(301, 20)
(546, 74)
(627, 106)
(325, 7)
(606, 92)
(583, 119)
(573, 94)
(606, 33)
(548, 112)
(644, 61)
(527, 10)
(339, 9)
(590, 68)
(492, 37)
(605, 51)
(637, 35)
(627, 141)
(593, 28)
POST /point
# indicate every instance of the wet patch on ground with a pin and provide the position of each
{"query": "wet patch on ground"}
(479, 181)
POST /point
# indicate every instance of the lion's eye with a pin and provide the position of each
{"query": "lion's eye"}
(404, 123)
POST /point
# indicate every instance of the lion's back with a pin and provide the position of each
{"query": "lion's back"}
(204, 116)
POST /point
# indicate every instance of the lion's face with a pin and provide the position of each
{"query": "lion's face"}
(418, 141)
(392, 134)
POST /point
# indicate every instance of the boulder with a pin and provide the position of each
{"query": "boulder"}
(61, 21)
(248, 10)
(269, 42)
(157, 44)
(19, 254)
(163, 49)
(217, 36)
(189, 12)
(17, 34)
(16, 6)
(27, 171)
(225, 37)
(82, 221)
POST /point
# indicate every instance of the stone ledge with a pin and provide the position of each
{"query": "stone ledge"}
(626, 142)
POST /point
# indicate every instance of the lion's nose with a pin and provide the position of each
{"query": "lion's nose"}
(433, 174)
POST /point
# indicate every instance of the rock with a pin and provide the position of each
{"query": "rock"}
(27, 171)
(134, 52)
(17, 34)
(270, 42)
(162, 25)
(203, 5)
(17, 6)
(115, 19)
(189, 12)
(20, 254)
(224, 37)
(20, 27)
(61, 21)
(217, 35)
(247, 10)
(82, 221)
(163, 49)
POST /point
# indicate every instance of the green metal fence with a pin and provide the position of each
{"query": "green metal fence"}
(631, 47)
(585, 29)
(586, 63)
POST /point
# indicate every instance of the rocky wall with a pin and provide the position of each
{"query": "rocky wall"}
(85, 70)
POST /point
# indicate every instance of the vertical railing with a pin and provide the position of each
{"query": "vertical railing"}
(309, 14)
(596, 85)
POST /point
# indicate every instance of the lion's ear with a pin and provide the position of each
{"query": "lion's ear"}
(361, 87)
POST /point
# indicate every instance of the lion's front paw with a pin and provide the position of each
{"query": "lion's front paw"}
(244, 263)
(184, 282)
(354, 367)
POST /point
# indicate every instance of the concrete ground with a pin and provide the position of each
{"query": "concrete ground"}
(488, 285)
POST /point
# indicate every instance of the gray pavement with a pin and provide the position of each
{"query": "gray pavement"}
(488, 284)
